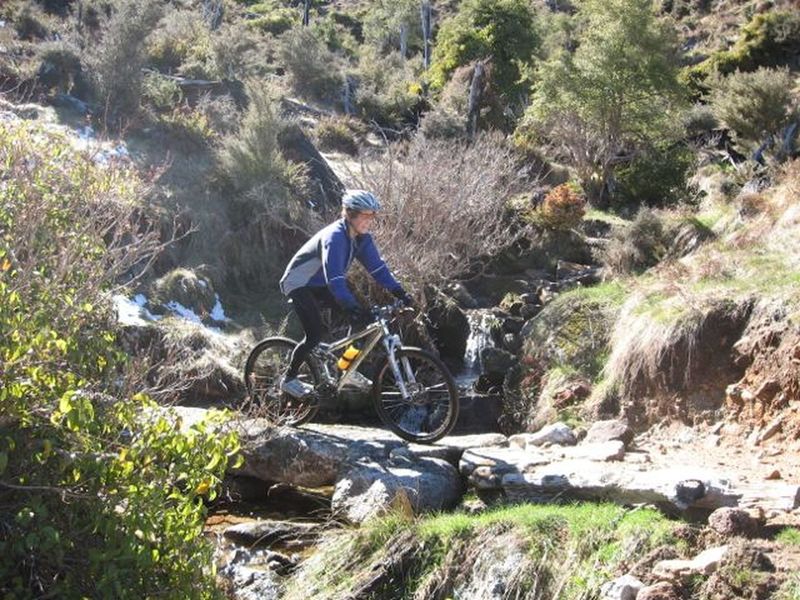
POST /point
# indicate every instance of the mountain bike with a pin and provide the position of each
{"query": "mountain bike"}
(413, 392)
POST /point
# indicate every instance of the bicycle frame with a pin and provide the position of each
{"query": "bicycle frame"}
(374, 332)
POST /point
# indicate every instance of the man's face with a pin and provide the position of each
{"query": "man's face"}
(362, 221)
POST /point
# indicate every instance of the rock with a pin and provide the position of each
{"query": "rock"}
(460, 294)
(774, 474)
(251, 583)
(659, 591)
(598, 451)
(568, 270)
(512, 342)
(513, 324)
(606, 431)
(309, 457)
(500, 461)
(267, 532)
(557, 433)
(770, 430)
(529, 298)
(703, 564)
(768, 390)
(370, 489)
(450, 327)
(496, 361)
(296, 147)
(622, 588)
(529, 311)
(732, 522)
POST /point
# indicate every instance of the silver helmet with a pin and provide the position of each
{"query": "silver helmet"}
(360, 200)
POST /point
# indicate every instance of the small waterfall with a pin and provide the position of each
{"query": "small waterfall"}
(480, 321)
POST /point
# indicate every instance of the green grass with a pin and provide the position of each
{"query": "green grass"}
(595, 214)
(593, 537)
(789, 536)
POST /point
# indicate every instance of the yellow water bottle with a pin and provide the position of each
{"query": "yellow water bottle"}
(344, 362)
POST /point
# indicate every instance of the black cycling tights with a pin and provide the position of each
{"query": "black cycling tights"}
(306, 302)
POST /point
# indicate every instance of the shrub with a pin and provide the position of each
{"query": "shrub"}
(501, 30)
(220, 111)
(637, 246)
(655, 178)
(60, 66)
(251, 157)
(240, 53)
(442, 123)
(597, 103)
(275, 22)
(700, 119)
(102, 496)
(387, 89)
(755, 106)
(180, 35)
(161, 93)
(339, 32)
(444, 209)
(562, 208)
(770, 39)
(29, 23)
(384, 21)
(118, 59)
(336, 134)
(312, 68)
(188, 127)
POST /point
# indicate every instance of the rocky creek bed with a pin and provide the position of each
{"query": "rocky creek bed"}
(322, 480)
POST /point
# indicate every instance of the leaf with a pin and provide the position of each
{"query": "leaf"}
(6, 265)
(65, 404)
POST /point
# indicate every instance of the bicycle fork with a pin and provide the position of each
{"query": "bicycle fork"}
(391, 343)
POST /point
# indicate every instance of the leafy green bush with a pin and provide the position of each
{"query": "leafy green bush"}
(501, 30)
(336, 133)
(385, 20)
(597, 103)
(388, 91)
(655, 178)
(60, 67)
(102, 496)
(755, 106)
(770, 39)
(180, 35)
(220, 112)
(312, 68)
(241, 53)
(160, 92)
(30, 23)
(442, 123)
(700, 119)
(275, 22)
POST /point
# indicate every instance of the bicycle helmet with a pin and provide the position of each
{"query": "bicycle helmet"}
(360, 200)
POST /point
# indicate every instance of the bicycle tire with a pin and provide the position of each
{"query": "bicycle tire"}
(450, 390)
(262, 377)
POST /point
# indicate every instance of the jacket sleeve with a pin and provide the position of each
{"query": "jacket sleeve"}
(334, 253)
(369, 257)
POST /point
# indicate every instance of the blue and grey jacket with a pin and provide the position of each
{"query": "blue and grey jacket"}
(325, 258)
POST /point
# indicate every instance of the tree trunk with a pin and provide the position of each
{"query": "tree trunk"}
(426, 32)
(403, 40)
(306, 12)
(474, 106)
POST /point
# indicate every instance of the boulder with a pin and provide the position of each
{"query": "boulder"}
(704, 564)
(449, 327)
(729, 522)
(622, 588)
(529, 311)
(607, 431)
(660, 591)
(598, 451)
(267, 532)
(496, 361)
(557, 433)
(370, 489)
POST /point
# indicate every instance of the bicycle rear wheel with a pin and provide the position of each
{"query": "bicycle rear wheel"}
(266, 364)
(432, 411)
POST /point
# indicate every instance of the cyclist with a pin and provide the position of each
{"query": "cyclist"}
(316, 275)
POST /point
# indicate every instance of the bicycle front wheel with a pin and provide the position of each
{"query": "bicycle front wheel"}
(431, 411)
(266, 364)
